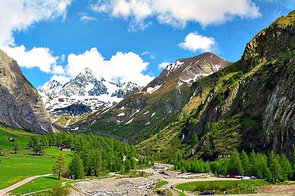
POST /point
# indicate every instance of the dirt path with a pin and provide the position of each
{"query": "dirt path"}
(12, 187)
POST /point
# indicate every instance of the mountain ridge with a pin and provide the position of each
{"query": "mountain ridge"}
(139, 114)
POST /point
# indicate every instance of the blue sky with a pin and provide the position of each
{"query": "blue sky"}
(127, 43)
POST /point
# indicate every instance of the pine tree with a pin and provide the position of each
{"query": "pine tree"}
(235, 166)
(275, 167)
(287, 167)
(37, 146)
(76, 167)
(60, 166)
(245, 163)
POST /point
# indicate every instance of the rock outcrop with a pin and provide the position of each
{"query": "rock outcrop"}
(20, 104)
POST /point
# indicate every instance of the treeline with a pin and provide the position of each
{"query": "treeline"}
(94, 154)
(272, 167)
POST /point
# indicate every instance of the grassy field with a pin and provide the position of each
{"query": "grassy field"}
(232, 186)
(39, 184)
(24, 164)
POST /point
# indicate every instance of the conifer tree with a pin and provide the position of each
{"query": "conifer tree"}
(60, 166)
(287, 167)
(245, 163)
(275, 168)
(235, 166)
(76, 167)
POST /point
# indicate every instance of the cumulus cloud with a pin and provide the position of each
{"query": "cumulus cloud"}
(60, 79)
(122, 67)
(194, 41)
(41, 58)
(58, 69)
(178, 12)
(163, 65)
(18, 15)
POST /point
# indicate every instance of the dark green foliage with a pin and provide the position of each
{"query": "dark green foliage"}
(235, 166)
(37, 144)
(98, 155)
(196, 166)
(245, 163)
(271, 168)
(195, 140)
(76, 168)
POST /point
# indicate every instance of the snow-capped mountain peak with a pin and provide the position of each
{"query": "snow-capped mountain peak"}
(86, 89)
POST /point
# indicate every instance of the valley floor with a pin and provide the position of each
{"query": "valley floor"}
(154, 182)
(121, 185)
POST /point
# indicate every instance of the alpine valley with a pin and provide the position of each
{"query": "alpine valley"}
(204, 125)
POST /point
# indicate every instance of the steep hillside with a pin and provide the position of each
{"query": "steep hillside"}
(20, 104)
(142, 114)
(248, 105)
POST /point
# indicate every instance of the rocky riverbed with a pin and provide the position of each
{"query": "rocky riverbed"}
(117, 186)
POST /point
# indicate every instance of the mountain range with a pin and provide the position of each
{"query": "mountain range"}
(141, 113)
(83, 94)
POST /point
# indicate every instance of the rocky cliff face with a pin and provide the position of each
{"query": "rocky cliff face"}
(143, 113)
(250, 104)
(20, 103)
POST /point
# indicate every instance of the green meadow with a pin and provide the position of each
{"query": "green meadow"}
(43, 183)
(24, 163)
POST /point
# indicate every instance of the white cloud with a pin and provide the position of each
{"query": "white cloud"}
(122, 66)
(58, 69)
(36, 57)
(18, 15)
(163, 65)
(148, 53)
(194, 42)
(61, 79)
(179, 12)
(145, 53)
(87, 18)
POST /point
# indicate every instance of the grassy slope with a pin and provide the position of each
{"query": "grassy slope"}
(67, 120)
(39, 184)
(23, 164)
(20, 136)
(232, 101)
